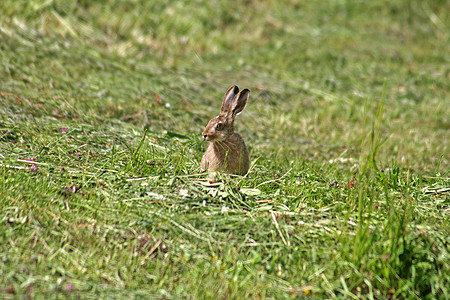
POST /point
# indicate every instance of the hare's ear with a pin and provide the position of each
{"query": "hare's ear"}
(239, 102)
(229, 95)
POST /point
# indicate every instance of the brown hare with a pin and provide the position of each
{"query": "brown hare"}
(227, 151)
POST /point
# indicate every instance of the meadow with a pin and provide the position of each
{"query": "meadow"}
(102, 105)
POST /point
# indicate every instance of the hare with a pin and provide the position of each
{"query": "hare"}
(227, 151)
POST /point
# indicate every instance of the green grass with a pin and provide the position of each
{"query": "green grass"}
(101, 108)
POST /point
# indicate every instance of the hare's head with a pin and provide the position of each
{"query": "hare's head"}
(221, 127)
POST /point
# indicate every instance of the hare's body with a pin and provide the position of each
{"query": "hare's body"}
(227, 151)
(230, 156)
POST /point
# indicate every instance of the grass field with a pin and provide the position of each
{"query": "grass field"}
(102, 104)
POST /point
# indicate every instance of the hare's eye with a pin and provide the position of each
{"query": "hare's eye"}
(219, 126)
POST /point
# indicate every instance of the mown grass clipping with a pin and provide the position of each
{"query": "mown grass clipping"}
(102, 105)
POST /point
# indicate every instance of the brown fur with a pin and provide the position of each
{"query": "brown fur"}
(227, 151)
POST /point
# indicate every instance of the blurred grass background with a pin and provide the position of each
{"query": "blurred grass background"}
(312, 67)
(338, 87)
